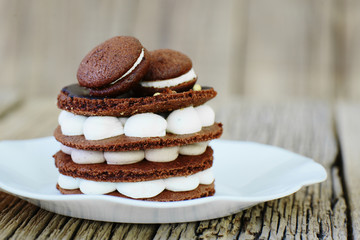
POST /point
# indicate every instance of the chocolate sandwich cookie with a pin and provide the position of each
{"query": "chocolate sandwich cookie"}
(126, 143)
(165, 196)
(169, 69)
(114, 66)
(78, 100)
(141, 171)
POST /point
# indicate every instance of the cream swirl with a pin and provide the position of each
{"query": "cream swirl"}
(189, 76)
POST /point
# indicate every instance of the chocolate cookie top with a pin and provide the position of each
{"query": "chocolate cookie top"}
(114, 66)
(125, 143)
(166, 64)
(168, 69)
(141, 171)
(77, 100)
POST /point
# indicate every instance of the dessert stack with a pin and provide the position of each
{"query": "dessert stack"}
(136, 125)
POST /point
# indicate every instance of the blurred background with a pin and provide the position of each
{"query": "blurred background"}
(276, 49)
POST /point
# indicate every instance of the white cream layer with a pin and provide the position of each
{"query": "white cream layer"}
(181, 121)
(137, 62)
(145, 189)
(190, 75)
(166, 154)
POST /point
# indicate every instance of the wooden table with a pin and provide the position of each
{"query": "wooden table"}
(328, 133)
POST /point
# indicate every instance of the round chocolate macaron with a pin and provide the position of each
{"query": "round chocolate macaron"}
(169, 69)
(114, 66)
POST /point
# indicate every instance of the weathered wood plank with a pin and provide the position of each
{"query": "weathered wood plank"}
(348, 119)
(94, 230)
(9, 100)
(348, 38)
(25, 121)
(9, 224)
(35, 226)
(141, 231)
(288, 49)
(54, 227)
(318, 211)
(306, 129)
(133, 231)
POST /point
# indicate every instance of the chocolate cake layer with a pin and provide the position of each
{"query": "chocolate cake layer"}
(125, 143)
(77, 100)
(165, 196)
(141, 171)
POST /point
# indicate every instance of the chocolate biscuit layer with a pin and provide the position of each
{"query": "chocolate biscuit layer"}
(76, 99)
(125, 143)
(141, 171)
(165, 196)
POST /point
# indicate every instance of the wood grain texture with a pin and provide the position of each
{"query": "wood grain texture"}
(289, 50)
(277, 49)
(348, 119)
(305, 127)
(350, 38)
(9, 100)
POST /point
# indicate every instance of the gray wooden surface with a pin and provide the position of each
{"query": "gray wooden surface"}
(348, 119)
(325, 210)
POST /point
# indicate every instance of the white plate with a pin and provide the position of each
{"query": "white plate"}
(246, 174)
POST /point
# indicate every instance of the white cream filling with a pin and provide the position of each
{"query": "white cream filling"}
(145, 125)
(66, 149)
(123, 158)
(184, 121)
(145, 189)
(137, 62)
(68, 182)
(194, 149)
(87, 157)
(206, 115)
(92, 187)
(181, 184)
(206, 177)
(101, 127)
(190, 75)
(181, 121)
(71, 124)
(166, 154)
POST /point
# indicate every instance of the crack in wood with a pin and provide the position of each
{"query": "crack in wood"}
(338, 164)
